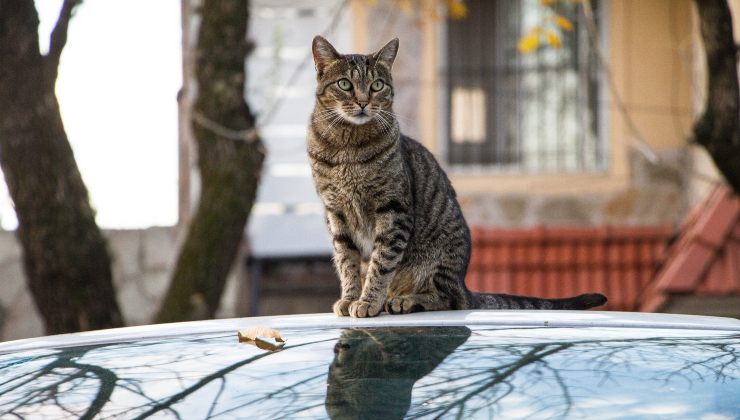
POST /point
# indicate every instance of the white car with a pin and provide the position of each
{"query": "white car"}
(459, 364)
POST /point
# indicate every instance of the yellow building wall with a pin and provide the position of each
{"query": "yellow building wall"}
(648, 45)
(653, 66)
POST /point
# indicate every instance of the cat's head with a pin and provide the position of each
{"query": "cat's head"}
(354, 87)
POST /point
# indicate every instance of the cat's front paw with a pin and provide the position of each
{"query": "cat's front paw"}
(364, 309)
(341, 307)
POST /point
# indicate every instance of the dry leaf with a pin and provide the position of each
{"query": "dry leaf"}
(255, 332)
(257, 336)
(266, 345)
(263, 345)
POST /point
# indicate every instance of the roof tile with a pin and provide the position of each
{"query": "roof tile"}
(703, 260)
(620, 261)
(557, 262)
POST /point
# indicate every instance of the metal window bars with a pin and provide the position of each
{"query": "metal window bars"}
(536, 112)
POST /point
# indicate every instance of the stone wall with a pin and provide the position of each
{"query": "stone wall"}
(656, 195)
(142, 260)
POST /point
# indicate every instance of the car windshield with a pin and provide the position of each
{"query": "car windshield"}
(389, 372)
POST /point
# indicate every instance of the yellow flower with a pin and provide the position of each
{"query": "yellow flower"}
(530, 42)
(547, 2)
(456, 9)
(553, 39)
(564, 23)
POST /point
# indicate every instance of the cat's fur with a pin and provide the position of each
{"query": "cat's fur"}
(400, 240)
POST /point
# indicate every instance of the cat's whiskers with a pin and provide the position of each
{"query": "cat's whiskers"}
(385, 125)
(385, 121)
(330, 117)
(323, 116)
(396, 116)
(334, 121)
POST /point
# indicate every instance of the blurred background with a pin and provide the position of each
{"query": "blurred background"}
(568, 128)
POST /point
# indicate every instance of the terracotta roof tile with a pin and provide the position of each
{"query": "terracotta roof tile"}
(619, 261)
(557, 262)
(685, 269)
(705, 259)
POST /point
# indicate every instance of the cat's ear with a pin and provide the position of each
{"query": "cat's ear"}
(323, 53)
(387, 54)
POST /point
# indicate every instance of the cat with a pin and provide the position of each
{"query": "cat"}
(374, 369)
(399, 237)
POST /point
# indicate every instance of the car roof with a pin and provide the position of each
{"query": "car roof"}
(493, 318)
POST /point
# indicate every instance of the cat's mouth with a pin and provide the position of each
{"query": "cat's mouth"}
(359, 117)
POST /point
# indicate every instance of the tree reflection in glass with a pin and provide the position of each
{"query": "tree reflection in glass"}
(407, 372)
(527, 374)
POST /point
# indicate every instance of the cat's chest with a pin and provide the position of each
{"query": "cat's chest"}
(349, 192)
(355, 196)
(350, 189)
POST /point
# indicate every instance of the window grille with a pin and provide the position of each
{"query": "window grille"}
(535, 112)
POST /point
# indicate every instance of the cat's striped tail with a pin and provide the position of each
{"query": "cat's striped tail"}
(503, 301)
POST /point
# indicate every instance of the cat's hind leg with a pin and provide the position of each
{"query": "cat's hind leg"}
(419, 288)
(419, 302)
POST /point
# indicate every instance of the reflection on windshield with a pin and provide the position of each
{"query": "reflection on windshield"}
(495, 376)
(374, 370)
(385, 373)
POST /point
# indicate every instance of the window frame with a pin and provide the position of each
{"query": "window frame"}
(603, 137)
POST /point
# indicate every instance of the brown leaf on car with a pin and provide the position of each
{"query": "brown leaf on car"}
(266, 345)
(260, 337)
(255, 332)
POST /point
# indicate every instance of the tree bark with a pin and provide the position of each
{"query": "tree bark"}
(718, 129)
(65, 258)
(230, 157)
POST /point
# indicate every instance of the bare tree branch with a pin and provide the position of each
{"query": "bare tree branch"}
(59, 38)
(718, 129)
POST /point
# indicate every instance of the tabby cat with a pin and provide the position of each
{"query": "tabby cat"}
(400, 240)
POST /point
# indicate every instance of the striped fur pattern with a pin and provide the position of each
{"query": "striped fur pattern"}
(400, 241)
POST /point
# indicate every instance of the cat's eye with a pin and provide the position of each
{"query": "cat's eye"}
(344, 84)
(377, 85)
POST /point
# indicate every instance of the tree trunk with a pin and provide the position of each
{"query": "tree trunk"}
(718, 129)
(66, 261)
(230, 158)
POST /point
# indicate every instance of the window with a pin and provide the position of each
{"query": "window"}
(536, 112)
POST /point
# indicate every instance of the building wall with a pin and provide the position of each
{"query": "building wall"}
(142, 260)
(649, 46)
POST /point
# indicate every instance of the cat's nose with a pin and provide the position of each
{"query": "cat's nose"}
(362, 104)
